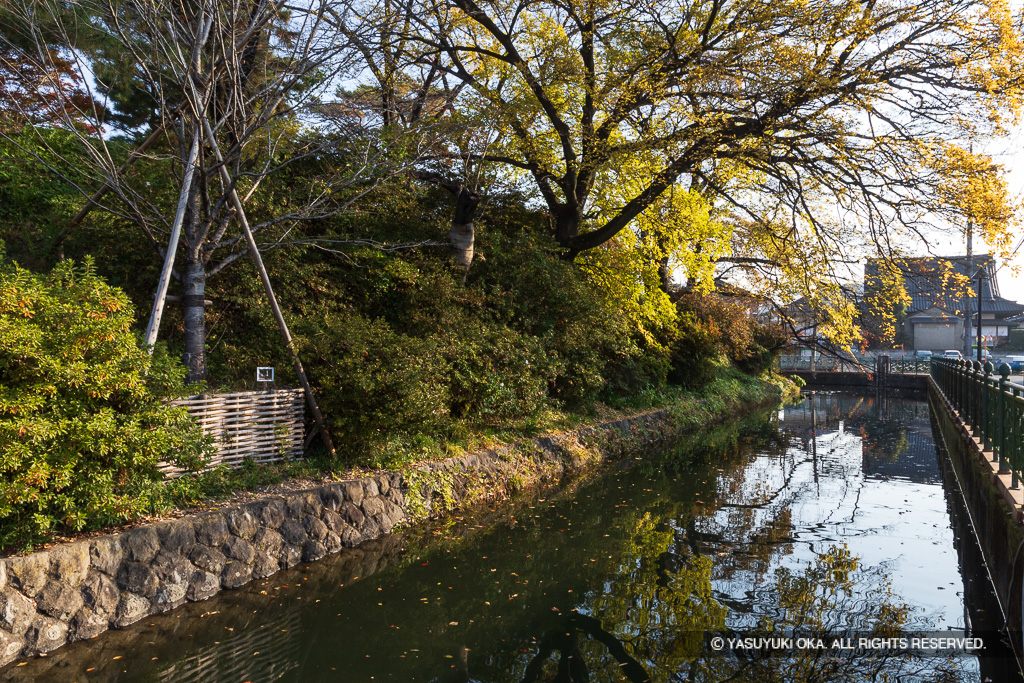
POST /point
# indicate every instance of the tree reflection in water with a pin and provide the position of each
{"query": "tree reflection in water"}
(649, 632)
(623, 577)
(571, 662)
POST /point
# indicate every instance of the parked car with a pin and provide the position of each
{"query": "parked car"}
(1016, 363)
(952, 353)
(923, 354)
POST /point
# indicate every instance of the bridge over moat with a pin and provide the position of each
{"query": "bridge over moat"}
(884, 372)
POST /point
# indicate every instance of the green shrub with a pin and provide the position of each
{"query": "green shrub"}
(695, 352)
(497, 373)
(1016, 342)
(373, 382)
(528, 288)
(83, 423)
(766, 342)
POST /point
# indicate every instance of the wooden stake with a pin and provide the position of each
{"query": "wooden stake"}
(258, 260)
(172, 247)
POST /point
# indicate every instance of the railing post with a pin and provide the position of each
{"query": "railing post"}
(986, 405)
(1015, 435)
(979, 396)
(961, 399)
(960, 369)
(1004, 377)
(972, 403)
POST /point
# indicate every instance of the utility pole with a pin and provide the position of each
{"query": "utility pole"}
(967, 296)
(980, 276)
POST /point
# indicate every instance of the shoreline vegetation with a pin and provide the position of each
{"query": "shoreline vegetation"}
(731, 395)
(410, 360)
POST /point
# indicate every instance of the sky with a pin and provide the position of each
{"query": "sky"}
(1010, 154)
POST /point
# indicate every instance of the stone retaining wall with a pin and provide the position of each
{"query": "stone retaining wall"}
(80, 589)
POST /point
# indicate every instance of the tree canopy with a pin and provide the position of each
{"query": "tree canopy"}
(784, 141)
(817, 131)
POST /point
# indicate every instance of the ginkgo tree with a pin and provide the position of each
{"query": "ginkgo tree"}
(843, 126)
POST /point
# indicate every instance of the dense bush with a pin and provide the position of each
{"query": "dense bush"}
(695, 352)
(531, 290)
(712, 327)
(372, 380)
(1016, 342)
(82, 420)
(766, 342)
(419, 353)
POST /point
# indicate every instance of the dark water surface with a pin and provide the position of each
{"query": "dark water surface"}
(835, 515)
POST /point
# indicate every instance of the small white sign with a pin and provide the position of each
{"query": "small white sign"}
(264, 374)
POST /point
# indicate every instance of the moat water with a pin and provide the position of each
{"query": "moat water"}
(809, 544)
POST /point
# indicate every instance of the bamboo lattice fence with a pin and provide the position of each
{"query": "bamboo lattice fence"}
(266, 426)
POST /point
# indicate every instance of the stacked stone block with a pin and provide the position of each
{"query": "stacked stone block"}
(81, 589)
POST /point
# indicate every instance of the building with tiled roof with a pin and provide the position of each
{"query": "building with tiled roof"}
(943, 303)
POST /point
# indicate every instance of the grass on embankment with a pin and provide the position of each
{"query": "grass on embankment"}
(731, 393)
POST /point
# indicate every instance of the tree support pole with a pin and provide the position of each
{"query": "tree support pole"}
(172, 246)
(243, 221)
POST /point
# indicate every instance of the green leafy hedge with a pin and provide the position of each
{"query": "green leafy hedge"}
(83, 423)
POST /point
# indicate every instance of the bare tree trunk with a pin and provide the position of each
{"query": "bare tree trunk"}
(565, 226)
(664, 275)
(193, 279)
(462, 234)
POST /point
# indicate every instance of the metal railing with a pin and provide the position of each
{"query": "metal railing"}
(990, 405)
(865, 364)
(904, 366)
(819, 364)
